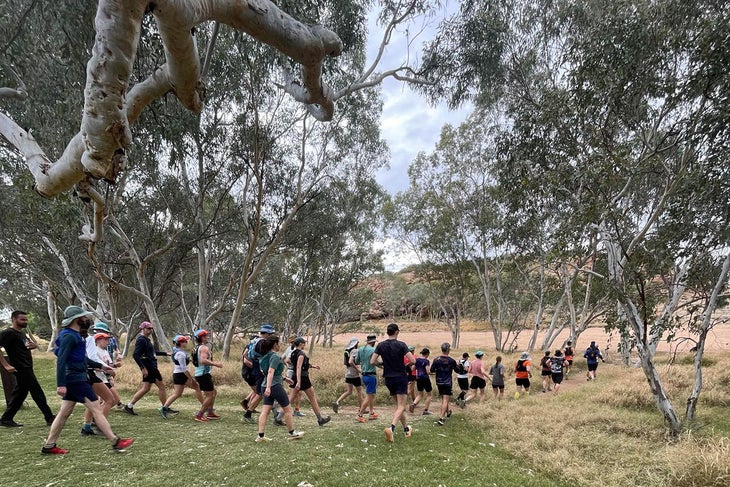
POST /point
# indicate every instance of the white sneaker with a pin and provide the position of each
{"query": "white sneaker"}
(295, 435)
(262, 439)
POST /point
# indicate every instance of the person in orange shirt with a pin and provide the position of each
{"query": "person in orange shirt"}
(568, 358)
(522, 375)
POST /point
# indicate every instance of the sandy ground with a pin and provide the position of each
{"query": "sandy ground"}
(718, 340)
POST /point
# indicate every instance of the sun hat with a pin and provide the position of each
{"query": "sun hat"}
(479, 353)
(292, 337)
(201, 333)
(100, 336)
(145, 324)
(179, 338)
(352, 344)
(102, 327)
(372, 338)
(525, 356)
(411, 348)
(299, 341)
(267, 328)
(71, 313)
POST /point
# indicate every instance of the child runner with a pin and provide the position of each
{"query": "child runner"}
(443, 367)
(522, 375)
(423, 382)
(556, 366)
(569, 353)
(462, 375)
(203, 361)
(181, 377)
(272, 388)
(478, 379)
(301, 379)
(496, 372)
(352, 376)
(545, 372)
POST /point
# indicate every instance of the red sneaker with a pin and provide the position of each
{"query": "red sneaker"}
(212, 416)
(122, 444)
(201, 418)
(54, 450)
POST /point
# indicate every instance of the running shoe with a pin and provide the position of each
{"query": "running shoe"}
(449, 413)
(122, 444)
(323, 420)
(212, 416)
(163, 412)
(361, 419)
(262, 439)
(53, 450)
(374, 416)
(299, 413)
(411, 408)
(171, 411)
(426, 413)
(129, 410)
(295, 435)
(441, 422)
(409, 431)
(388, 434)
(336, 407)
(249, 420)
(279, 423)
(200, 418)
(517, 395)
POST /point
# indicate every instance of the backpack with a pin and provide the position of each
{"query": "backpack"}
(194, 357)
(460, 369)
(346, 357)
(521, 367)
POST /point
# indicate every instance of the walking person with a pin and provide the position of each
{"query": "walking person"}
(462, 375)
(569, 353)
(20, 363)
(556, 366)
(72, 382)
(181, 377)
(272, 388)
(251, 357)
(286, 358)
(592, 355)
(145, 356)
(412, 375)
(423, 382)
(100, 368)
(545, 372)
(496, 373)
(204, 363)
(302, 383)
(391, 352)
(478, 383)
(523, 373)
(369, 378)
(353, 382)
(443, 367)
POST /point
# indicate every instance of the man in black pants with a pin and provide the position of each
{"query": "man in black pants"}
(18, 347)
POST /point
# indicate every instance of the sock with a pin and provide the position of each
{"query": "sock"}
(211, 410)
(392, 428)
(116, 440)
(261, 435)
(247, 414)
(406, 428)
(87, 426)
(291, 432)
(200, 413)
(319, 417)
(130, 405)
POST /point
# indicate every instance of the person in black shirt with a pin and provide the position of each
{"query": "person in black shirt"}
(18, 347)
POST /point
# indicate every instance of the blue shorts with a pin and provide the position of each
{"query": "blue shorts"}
(371, 384)
(278, 394)
(397, 385)
(79, 392)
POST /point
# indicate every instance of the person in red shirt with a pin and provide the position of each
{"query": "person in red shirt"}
(522, 375)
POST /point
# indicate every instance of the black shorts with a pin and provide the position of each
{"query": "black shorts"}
(523, 382)
(498, 386)
(424, 384)
(355, 381)
(445, 389)
(259, 385)
(557, 378)
(179, 378)
(570, 361)
(477, 383)
(153, 375)
(546, 373)
(79, 392)
(93, 379)
(592, 367)
(397, 385)
(251, 380)
(412, 378)
(205, 382)
(463, 383)
(278, 394)
(304, 384)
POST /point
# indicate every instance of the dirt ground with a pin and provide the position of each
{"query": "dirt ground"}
(718, 339)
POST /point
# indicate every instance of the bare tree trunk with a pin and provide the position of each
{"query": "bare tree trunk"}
(51, 306)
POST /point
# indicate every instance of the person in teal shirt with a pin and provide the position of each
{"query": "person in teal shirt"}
(273, 391)
(369, 379)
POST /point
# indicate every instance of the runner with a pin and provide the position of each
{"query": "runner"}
(522, 375)
(545, 372)
(423, 382)
(204, 363)
(592, 355)
(301, 379)
(181, 377)
(556, 366)
(369, 378)
(496, 372)
(352, 376)
(443, 367)
(569, 353)
(462, 375)
(145, 356)
(478, 379)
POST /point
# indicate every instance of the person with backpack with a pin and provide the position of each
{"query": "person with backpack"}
(286, 358)
(592, 354)
(443, 367)
(569, 353)
(423, 382)
(556, 367)
(145, 356)
(203, 362)
(369, 378)
(462, 375)
(353, 382)
(496, 373)
(73, 382)
(251, 357)
(522, 375)
(181, 377)
(301, 382)
(546, 372)
(100, 368)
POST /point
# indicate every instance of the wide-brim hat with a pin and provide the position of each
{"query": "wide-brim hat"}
(101, 327)
(266, 328)
(525, 356)
(352, 343)
(73, 312)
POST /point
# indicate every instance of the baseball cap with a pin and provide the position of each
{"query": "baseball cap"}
(201, 333)
(411, 348)
(479, 353)
(267, 328)
(100, 336)
(145, 324)
(179, 338)
(299, 341)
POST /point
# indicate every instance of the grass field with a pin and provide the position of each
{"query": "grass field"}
(604, 432)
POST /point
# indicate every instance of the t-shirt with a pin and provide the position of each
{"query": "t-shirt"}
(545, 364)
(392, 352)
(144, 353)
(521, 371)
(104, 359)
(271, 360)
(497, 373)
(363, 359)
(350, 372)
(475, 368)
(287, 355)
(13, 341)
(180, 360)
(296, 356)
(592, 355)
(422, 367)
(443, 367)
(556, 365)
